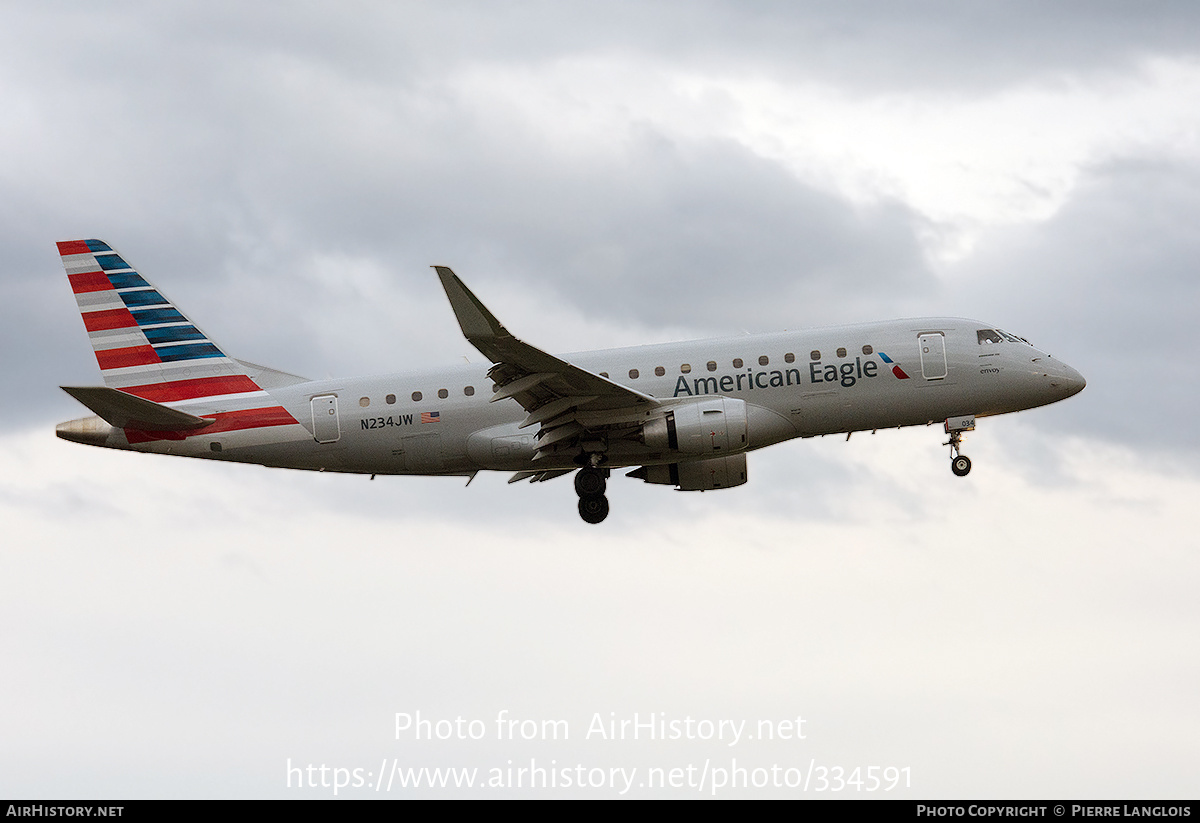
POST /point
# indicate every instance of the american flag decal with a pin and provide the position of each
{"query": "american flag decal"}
(431, 417)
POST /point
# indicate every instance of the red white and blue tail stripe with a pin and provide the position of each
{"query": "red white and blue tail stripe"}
(144, 344)
(148, 348)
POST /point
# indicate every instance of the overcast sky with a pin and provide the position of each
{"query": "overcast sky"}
(601, 175)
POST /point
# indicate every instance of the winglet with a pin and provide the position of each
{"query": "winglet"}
(478, 324)
(533, 378)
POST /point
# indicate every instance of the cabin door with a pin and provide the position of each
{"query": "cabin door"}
(325, 419)
(933, 355)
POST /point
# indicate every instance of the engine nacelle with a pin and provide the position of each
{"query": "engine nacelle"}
(702, 427)
(697, 475)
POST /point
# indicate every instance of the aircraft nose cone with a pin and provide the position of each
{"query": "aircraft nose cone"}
(1066, 379)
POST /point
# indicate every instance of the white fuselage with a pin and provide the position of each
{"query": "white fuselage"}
(794, 384)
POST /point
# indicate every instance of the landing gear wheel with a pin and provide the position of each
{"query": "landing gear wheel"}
(593, 509)
(960, 464)
(590, 482)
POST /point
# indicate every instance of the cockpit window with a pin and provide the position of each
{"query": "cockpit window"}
(986, 337)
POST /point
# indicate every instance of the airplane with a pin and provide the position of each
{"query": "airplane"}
(677, 414)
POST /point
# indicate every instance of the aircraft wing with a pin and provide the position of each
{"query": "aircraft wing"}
(570, 403)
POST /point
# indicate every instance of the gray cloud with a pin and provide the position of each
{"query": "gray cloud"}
(1109, 285)
(867, 44)
(224, 151)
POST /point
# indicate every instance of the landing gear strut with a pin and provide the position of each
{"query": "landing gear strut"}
(960, 464)
(590, 484)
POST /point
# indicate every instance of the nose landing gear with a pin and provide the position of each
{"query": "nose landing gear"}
(960, 464)
(590, 484)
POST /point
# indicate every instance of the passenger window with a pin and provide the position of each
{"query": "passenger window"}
(391, 398)
(763, 360)
(868, 350)
(712, 365)
(659, 371)
(789, 358)
(814, 354)
(737, 362)
(841, 352)
(442, 393)
(364, 401)
(686, 368)
(416, 397)
(633, 374)
(469, 391)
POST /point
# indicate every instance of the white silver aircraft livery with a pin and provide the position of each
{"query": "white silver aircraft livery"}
(678, 414)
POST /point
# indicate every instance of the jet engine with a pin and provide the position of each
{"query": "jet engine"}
(697, 475)
(702, 427)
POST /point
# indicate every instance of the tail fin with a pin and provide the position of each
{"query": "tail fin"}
(145, 346)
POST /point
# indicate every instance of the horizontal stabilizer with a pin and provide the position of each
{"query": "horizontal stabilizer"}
(126, 411)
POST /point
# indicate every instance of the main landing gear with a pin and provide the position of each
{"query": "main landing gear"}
(960, 464)
(590, 483)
